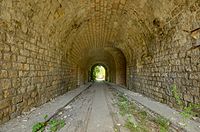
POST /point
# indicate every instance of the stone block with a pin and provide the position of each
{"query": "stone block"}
(3, 74)
(17, 99)
(7, 56)
(21, 59)
(188, 98)
(9, 93)
(5, 83)
(4, 103)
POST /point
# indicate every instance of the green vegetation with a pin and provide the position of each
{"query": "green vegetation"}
(38, 127)
(95, 72)
(98, 73)
(163, 123)
(54, 125)
(187, 111)
(143, 115)
(176, 95)
(123, 105)
(128, 109)
(135, 128)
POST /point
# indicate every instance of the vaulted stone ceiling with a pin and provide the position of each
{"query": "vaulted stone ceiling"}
(74, 27)
(79, 25)
(84, 24)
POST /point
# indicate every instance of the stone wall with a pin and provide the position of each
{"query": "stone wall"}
(33, 66)
(174, 59)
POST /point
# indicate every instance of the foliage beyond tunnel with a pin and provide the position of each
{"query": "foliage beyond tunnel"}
(98, 73)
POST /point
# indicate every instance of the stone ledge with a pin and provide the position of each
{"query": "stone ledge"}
(161, 109)
(24, 123)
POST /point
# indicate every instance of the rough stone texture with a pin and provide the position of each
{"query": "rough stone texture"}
(48, 48)
(33, 66)
(173, 57)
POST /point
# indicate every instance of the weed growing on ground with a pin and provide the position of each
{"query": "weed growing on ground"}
(176, 95)
(128, 108)
(54, 124)
(187, 111)
(123, 106)
(131, 126)
(143, 115)
(163, 123)
(40, 126)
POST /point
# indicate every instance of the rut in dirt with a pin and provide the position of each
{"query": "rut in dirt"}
(101, 108)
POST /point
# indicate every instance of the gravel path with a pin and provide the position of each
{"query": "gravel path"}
(90, 112)
(24, 123)
(90, 108)
(100, 118)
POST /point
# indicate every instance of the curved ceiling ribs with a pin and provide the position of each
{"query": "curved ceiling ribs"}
(103, 25)
(79, 26)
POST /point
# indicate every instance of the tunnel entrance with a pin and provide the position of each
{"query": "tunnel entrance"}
(98, 73)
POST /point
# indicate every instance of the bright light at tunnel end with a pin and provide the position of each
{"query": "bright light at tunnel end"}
(100, 73)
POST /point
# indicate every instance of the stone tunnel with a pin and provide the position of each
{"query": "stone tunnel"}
(48, 47)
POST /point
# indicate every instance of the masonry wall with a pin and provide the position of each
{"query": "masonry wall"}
(33, 66)
(174, 58)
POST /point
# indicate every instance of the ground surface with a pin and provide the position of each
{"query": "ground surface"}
(98, 107)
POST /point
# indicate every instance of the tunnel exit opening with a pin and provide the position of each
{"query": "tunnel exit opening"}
(98, 73)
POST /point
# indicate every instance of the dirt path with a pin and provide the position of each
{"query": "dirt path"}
(102, 109)
(99, 107)
(100, 118)
(89, 113)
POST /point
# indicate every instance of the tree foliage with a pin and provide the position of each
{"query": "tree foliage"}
(95, 72)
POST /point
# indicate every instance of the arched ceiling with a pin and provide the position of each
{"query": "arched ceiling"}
(77, 26)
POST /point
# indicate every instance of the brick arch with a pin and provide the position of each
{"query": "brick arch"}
(113, 58)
